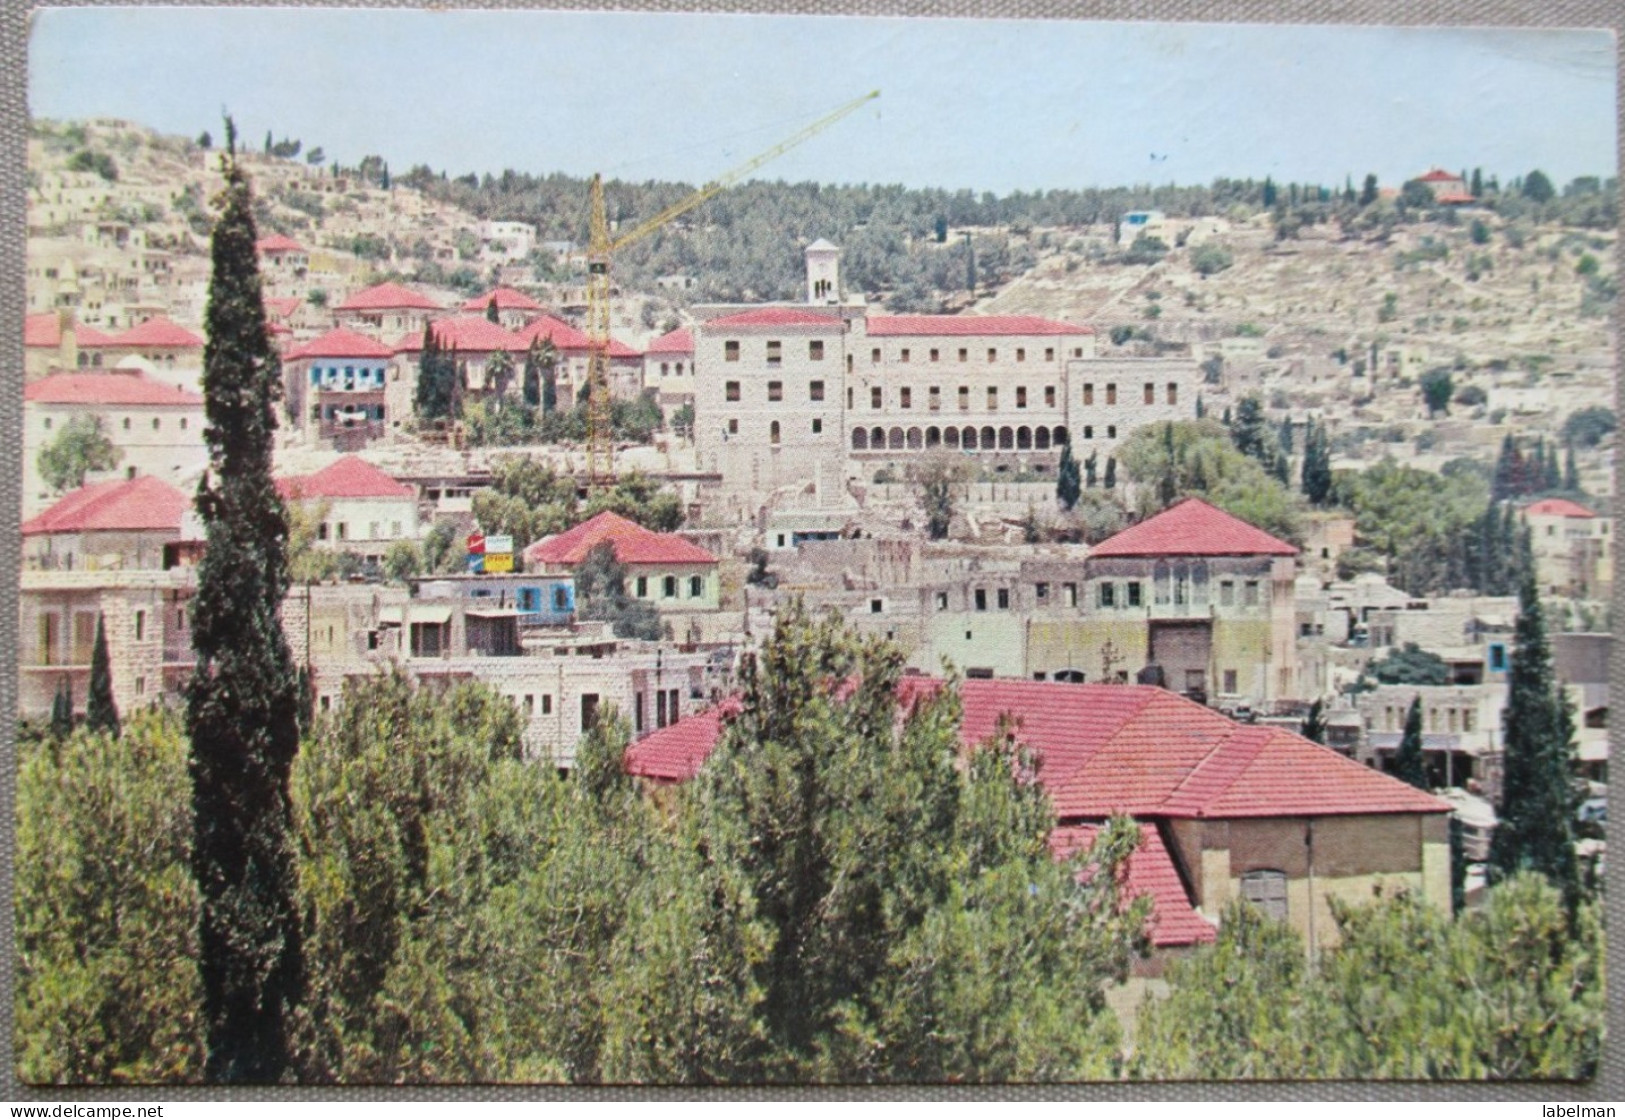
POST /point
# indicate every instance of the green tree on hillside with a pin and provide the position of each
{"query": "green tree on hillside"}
(101, 712)
(1409, 766)
(78, 449)
(1067, 486)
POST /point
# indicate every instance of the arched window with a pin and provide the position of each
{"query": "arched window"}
(1007, 439)
(1199, 583)
(933, 437)
(860, 439)
(950, 437)
(1060, 437)
(914, 439)
(1024, 439)
(877, 439)
(970, 439)
(1041, 439)
(894, 439)
(1266, 889)
(990, 439)
(1182, 585)
(1159, 581)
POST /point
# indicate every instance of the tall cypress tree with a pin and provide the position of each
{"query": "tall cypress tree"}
(62, 709)
(1571, 472)
(1408, 762)
(1067, 487)
(1314, 724)
(101, 713)
(1537, 806)
(242, 704)
(1317, 465)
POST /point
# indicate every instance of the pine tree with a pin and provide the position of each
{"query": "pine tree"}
(1269, 192)
(1571, 472)
(62, 710)
(1110, 479)
(1089, 469)
(1317, 465)
(1201, 409)
(1553, 474)
(491, 313)
(1408, 763)
(242, 703)
(1536, 831)
(1314, 724)
(1478, 182)
(1066, 477)
(101, 713)
(1368, 191)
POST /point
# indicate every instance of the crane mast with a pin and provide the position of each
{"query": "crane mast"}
(601, 248)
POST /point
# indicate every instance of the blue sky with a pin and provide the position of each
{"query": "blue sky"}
(987, 104)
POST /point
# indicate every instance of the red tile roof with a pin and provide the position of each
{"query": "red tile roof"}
(1557, 507)
(469, 334)
(350, 477)
(971, 325)
(281, 306)
(562, 334)
(382, 297)
(507, 300)
(1438, 176)
(122, 505)
(115, 387)
(88, 337)
(776, 317)
(632, 542)
(340, 343)
(1191, 527)
(1150, 871)
(1107, 749)
(680, 341)
(278, 243)
(1454, 196)
(44, 329)
(676, 752)
(158, 331)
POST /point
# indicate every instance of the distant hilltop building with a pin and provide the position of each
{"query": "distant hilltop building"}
(819, 395)
(1142, 223)
(1447, 188)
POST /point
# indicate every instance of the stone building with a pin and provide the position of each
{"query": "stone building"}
(337, 385)
(1572, 545)
(661, 568)
(120, 523)
(363, 510)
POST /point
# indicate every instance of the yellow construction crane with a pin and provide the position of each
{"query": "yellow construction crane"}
(601, 248)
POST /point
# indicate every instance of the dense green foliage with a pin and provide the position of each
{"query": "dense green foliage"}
(1407, 664)
(1427, 524)
(1587, 426)
(1199, 458)
(602, 596)
(1514, 990)
(78, 449)
(437, 394)
(242, 702)
(529, 500)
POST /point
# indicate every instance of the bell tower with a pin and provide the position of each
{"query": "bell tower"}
(823, 273)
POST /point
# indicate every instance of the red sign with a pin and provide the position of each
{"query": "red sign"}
(476, 544)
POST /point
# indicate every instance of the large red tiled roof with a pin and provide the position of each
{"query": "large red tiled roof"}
(88, 337)
(1557, 507)
(562, 334)
(676, 752)
(1136, 749)
(632, 542)
(1151, 872)
(680, 341)
(340, 343)
(1191, 527)
(775, 317)
(468, 334)
(279, 243)
(971, 325)
(122, 505)
(507, 300)
(349, 477)
(115, 387)
(158, 331)
(44, 329)
(382, 297)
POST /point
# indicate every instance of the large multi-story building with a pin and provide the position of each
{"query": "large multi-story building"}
(821, 395)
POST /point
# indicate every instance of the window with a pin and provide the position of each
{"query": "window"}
(1049, 396)
(668, 587)
(981, 599)
(1069, 594)
(874, 356)
(934, 353)
(696, 587)
(1041, 592)
(942, 600)
(849, 397)
(1021, 355)
(992, 398)
(530, 704)
(730, 351)
(964, 398)
(775, 352)
(1468, 720)
(1267, 891)
(1004, 598)
(321, 531)
(643, 587)
(815, 350)
(126, 423)
(877, 606)
(183, 423)
(1133, 589)
(1107, 596)
(992, 354)
(1077, 351)
(775, 390)
(1173, 393)
(903, 355)
(773, 433)
(1227, 593)
(933, 399)
(733, 427)
(665, 369)
(1021, 396)
(547, 703)
(1111, 431)
(344, 530)
(1250, 593)
(1049, 353)
(817, 426)
(815, 390)
(1088, 431)
(1150, 393)
(905, 397)
(1088, 393)
(155, 423)
(964, 355)
(1111, 393)
(140, 625)
(730, 391)
(875, 397)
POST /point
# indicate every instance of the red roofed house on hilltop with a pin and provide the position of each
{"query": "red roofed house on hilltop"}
(571, 345)
(668, 369)
(335, 388)
(156, 428)
(661, 568)
(386, 311)
(282, 259)
(121, 523)
(1226, 810)
(514, 308)
(1447, 189)
(1573, 550)
(364, 510)
(824, 395)
(1201, 595)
